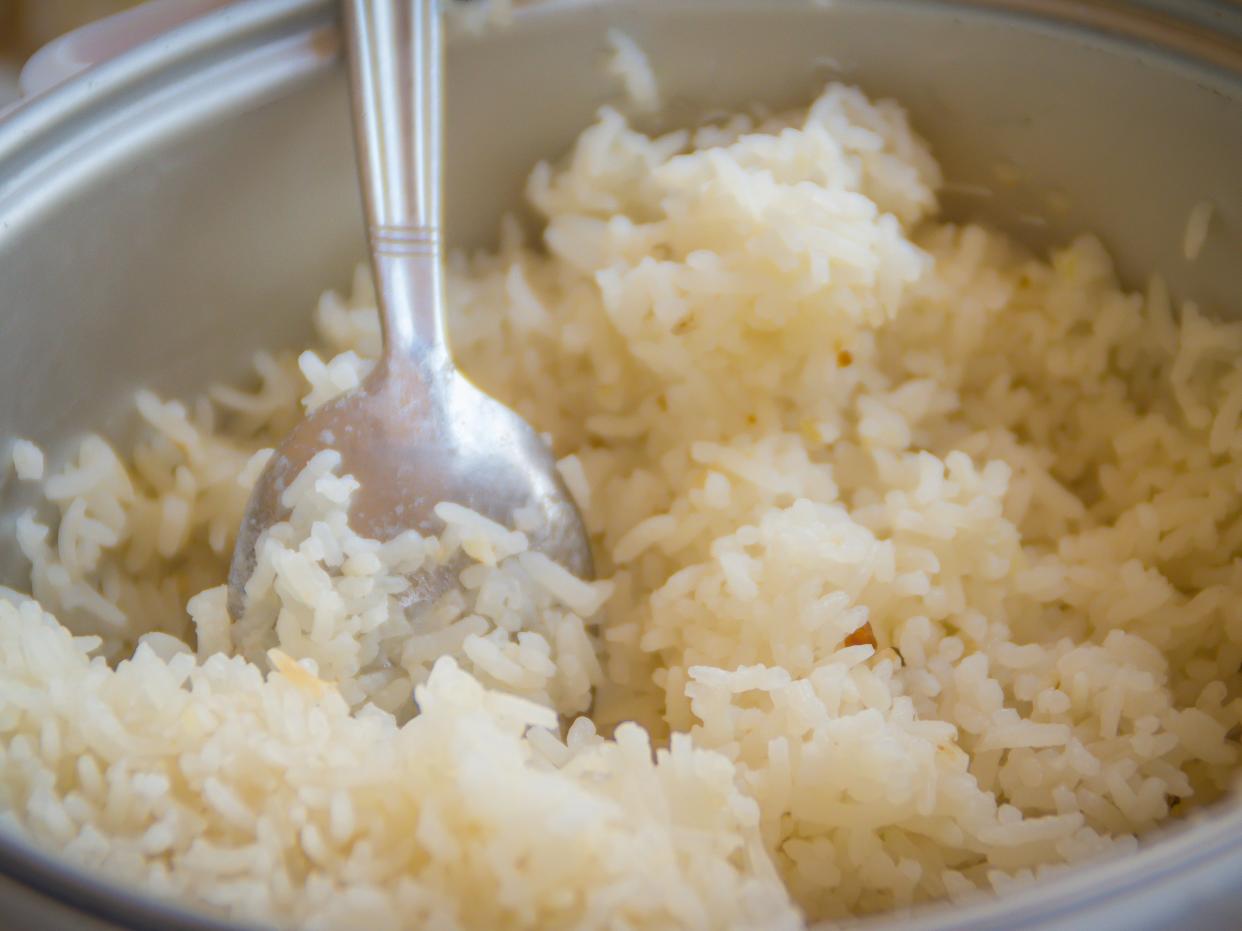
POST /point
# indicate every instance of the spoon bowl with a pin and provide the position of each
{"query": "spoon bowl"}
(412, 443)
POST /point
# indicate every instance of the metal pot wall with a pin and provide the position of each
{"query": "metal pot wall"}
(168, 212)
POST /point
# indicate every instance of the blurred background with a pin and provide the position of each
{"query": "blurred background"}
(25, 25)
(28, 25)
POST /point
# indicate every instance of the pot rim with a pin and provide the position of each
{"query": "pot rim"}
(294, 39)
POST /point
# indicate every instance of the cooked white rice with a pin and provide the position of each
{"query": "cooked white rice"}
(1197, 225)
(918, 561)
(629, 64)
(27, 460)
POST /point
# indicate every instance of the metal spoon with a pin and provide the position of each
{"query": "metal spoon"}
(416, 432)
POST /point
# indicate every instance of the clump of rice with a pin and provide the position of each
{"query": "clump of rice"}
(919, 561)
(339, 602)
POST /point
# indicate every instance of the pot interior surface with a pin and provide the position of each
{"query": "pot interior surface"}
(164, 235)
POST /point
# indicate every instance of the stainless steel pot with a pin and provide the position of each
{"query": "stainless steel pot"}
(167, 212)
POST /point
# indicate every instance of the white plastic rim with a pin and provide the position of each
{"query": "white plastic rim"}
(97, 42)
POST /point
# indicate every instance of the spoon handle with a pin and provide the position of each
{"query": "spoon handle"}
(394, 55)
